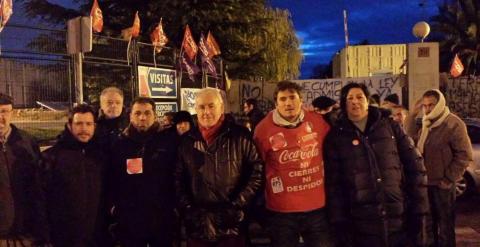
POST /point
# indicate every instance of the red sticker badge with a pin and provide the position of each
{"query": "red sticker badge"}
(278, 141)
(135, 166)
(355, 142)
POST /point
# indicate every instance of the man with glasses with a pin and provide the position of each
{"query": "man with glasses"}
(142, 184)
(22, 201)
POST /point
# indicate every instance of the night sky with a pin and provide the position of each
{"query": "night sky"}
(319, 23)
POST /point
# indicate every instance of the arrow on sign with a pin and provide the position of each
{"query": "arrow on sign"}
(162, 89)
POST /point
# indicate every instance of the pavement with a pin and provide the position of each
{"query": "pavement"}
(468, 222)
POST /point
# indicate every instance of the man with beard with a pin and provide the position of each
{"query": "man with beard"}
(22, 202)
(142, 185)
(74, 181)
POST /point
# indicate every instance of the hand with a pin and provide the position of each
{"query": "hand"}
(445, 184)
(417, 107)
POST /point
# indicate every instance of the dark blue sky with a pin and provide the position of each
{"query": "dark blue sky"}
(319, 23)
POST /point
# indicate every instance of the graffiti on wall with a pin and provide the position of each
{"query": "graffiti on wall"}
(463, 96)
(262, 93)
(381, 85)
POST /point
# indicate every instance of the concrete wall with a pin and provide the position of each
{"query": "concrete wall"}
(462, 94)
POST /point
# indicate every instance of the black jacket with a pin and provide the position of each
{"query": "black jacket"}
(216, 182)
(254, 117)
(375, 180)
(108, 130)
(73, 172)
(144, 202)
(22, 203)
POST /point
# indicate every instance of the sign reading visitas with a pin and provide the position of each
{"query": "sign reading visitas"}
(157, 83)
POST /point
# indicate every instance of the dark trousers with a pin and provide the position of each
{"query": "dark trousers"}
(285, 229)
(442, 207)
(233, 241)
(396, 239)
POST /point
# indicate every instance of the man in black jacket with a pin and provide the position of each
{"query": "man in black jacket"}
(22, 201)
(253, 113)
(74, 183)
(112, 116)
(142, 184)
(218, 173)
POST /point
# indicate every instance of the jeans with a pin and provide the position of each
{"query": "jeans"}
(442, 206)
(285, 229)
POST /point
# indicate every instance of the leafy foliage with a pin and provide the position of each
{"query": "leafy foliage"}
(256, 40)
(456, 28)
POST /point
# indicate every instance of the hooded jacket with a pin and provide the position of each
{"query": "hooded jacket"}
(74, 188)
(216, 182)
(22, 204)
(375, 181)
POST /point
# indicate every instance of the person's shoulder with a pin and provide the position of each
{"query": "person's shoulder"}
(454, 121)
(265, 123)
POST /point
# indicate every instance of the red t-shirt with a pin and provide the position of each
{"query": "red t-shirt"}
(294, 163)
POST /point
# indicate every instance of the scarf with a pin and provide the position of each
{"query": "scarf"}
(439, 113)
(209, 134)
(280, 121)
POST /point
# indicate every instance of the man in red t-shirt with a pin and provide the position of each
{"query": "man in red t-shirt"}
(290, 141)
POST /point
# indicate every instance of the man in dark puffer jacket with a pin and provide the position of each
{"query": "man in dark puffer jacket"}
(375, 178)
(74, 183)
(218, 173)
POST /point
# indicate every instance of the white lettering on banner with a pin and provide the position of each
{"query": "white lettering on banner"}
(305, 186)
(307, 152)
(304, 172)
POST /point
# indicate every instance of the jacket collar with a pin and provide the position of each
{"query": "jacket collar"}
(375, 114)
(141, 137)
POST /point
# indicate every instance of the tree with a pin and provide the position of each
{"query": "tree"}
(456, 28)
(256, 40)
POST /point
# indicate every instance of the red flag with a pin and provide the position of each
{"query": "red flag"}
(136, 26)
(457, 67)
(6, 10)
(188, 44)
(206, 57)
(212, 45)
(97, 17)
(158, 37)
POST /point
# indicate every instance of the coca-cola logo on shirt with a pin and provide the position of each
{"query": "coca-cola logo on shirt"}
(307, 152)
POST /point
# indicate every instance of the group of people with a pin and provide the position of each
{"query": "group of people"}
(354, 180)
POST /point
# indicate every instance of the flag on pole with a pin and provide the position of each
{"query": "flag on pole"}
(188, 45)
(136, 26)
(457, 67)
(158, 37)
(206, 57)
(212, 45)
(97, 17)
(188, 66)
(6, 10)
